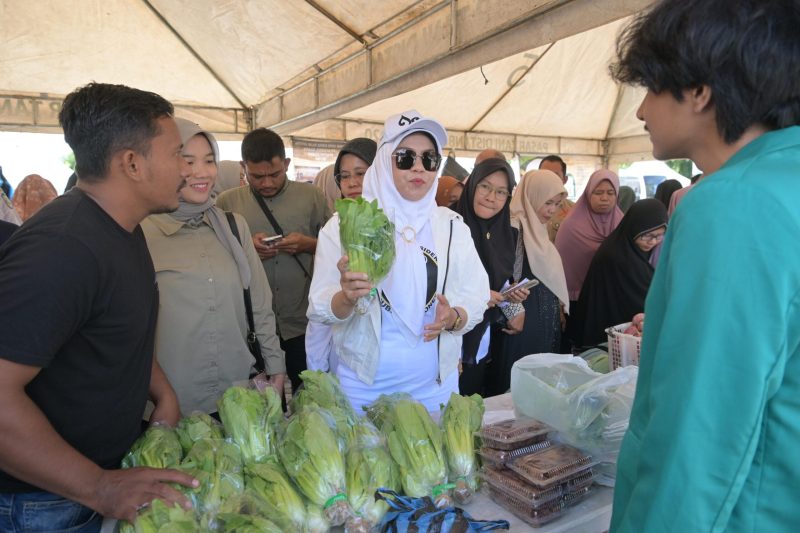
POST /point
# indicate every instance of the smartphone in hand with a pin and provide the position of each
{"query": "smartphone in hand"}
(269, 241)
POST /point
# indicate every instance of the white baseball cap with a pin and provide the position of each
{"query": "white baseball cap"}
(401, 125)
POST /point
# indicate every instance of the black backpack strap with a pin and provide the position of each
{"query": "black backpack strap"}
(274, 223)
(252, 339)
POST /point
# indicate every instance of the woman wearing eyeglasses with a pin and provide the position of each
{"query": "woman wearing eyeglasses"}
(485, 209)
(619, 276)
(537, 200)
(408, 339)
(348, 172)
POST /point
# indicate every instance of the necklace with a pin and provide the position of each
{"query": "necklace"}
(488, 235)
(404, 233)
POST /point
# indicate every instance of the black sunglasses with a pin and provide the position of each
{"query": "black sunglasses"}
(404, 159)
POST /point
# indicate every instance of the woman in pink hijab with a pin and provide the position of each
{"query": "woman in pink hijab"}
(593, 218)
(32, 193)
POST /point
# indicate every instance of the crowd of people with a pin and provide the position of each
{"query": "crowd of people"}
(165, 276)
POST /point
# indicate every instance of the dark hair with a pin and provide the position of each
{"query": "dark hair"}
(262, 145)
(555, 159)
(101, 119)
(746, 51)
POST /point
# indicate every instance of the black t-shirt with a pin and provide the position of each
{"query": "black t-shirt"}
(79, 300)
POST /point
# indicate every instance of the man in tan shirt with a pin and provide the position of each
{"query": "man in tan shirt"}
(300, 211)
(557, 165)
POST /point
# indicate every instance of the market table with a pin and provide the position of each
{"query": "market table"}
(592, 515)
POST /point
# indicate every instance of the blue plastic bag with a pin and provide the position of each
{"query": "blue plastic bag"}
(420, 515)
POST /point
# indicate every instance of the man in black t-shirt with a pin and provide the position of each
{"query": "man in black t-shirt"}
(78, 308)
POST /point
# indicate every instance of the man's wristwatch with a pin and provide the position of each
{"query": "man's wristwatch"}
(457, 321)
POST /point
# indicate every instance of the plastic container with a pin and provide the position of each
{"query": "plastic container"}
(551, 465)
(514, 433)
(623, 349)
(578, 481)
(533, 516)
(494, 457)
(512, 484)
(574, 498)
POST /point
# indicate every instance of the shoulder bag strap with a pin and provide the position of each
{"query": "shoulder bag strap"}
(274, 223)
(248, 303)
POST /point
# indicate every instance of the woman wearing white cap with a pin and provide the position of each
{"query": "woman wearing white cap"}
(409, 338)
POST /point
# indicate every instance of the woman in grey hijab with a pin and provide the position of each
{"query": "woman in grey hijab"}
(202, 270)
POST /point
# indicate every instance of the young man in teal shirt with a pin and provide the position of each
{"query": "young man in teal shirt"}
(715, 426)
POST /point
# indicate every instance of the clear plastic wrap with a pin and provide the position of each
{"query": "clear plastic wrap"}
(551, 465)
(589, 410)
(217, 465)
(533, 516)
(250, 418)
(461, 417)
(509, 481)
(513, 433)
(495, 457)
(158, 447)
(367, 237)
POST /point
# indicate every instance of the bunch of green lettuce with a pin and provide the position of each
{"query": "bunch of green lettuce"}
(158, 518)
(378, 411)
(250, 418)
(367, 237)
(245, 523)
(197, 426)
(275, 496)
(321, 389)
(158, 447)
(217, 465)
(415, 442)
(369, 468)
(461, 418)
(311, 456)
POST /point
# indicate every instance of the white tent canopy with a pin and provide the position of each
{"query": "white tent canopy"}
(334, 69)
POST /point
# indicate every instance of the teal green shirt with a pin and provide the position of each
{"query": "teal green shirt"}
(714, 437)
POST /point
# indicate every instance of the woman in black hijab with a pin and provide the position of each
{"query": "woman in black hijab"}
(618, 279)
(484, 205)
(666, 189)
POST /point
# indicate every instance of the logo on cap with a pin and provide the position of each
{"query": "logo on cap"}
(404, 120)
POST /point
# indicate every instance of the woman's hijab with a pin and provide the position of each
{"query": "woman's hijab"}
(228, 176)
(666, 189)
(620, 274)
(536, 187)
(582, 232)
(626, 198)
(494, 240)
(406, 285)
(193, 214)
(327, 184)
(32, 193)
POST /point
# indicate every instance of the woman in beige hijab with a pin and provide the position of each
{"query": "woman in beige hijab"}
(32, 193)
(534, 203)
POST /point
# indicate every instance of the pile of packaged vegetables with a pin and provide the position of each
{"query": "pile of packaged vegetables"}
(528, 474)
(317, 469)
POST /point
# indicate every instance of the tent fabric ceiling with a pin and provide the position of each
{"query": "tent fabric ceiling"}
(235, 54)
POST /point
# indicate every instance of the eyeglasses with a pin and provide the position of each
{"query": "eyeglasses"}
(485, 189)
(651, 237)
(344, 176)
(404, 159)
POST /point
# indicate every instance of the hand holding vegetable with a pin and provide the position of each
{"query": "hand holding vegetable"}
(121, 493)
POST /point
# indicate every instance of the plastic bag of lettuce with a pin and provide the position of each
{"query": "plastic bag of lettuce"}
(367, 237)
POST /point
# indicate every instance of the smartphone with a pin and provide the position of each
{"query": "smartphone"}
(524, 284)
(271, 240)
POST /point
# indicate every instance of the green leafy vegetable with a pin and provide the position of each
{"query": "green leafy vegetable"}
(461, 418)
(275, 496)
(367, 237)
(158, 447)
(250, 418)
(368, 469)
(196, 427)
(158, 518)
(245, 523)
(311, 456)
(217, 465)
(415, 443)
(321, 389)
